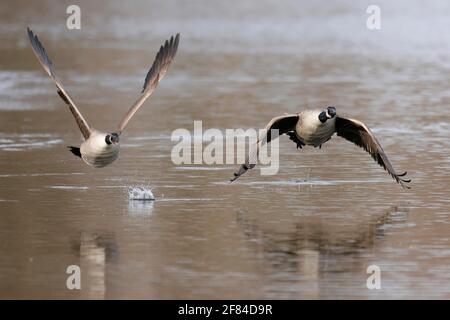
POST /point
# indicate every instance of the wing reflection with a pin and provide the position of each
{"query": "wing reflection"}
(314, 251)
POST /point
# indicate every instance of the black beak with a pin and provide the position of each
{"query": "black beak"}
(115, 137)
(331, 111)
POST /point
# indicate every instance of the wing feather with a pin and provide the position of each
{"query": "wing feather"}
(283, 124)
(357, 132)
(157, 71)
(47, 64)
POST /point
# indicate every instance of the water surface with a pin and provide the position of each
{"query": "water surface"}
(310, 231)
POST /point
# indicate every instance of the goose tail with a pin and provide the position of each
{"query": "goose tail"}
(75, 151)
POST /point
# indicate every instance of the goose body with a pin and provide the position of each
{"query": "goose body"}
(314, 128)
(100, 149)
(311, 131)
(96, 152)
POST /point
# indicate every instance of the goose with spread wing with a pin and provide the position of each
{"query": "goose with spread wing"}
(314, 128)
(100, 149)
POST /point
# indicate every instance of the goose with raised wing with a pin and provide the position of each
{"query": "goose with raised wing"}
(100, 149)
(314, 128)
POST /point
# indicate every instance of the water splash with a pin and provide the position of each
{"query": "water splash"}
(140, 193)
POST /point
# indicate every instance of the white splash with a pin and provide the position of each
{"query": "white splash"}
(140, 193)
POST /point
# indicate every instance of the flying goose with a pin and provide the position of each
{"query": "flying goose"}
(314, 128)
(100, 149)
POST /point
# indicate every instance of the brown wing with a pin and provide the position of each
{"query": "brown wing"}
(159, 68)
(47, 64)
(357, 132)
(283, 124)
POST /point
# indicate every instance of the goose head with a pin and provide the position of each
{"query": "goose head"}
(112, 138)
(329, 113)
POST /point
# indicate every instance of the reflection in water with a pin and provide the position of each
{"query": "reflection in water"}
(311, 254)
(236, 67)
(140, 207)
(94, 251)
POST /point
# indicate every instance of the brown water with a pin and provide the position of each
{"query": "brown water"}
(310, 231)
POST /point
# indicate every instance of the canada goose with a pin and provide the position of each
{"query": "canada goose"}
(314, 128)
(100, 149)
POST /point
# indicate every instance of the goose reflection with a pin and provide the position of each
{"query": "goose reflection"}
(312, 252)
(95, 251)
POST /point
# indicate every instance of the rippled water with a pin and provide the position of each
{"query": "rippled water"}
(310, 231)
